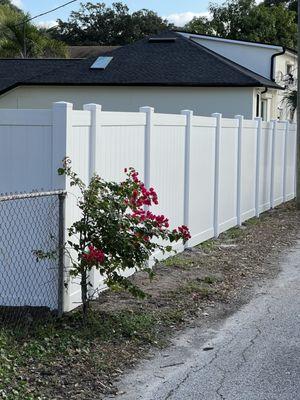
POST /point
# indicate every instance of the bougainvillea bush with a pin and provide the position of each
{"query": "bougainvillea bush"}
(117, 230)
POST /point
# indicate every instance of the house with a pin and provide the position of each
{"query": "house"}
(170, 71)
(274, 62)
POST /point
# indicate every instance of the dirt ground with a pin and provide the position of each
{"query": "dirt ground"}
(204, 283)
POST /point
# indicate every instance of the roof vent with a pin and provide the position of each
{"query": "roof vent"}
(101, 62)
(162, 39)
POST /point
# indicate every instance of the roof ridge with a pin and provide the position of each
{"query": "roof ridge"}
(41, 59)
(234, 40)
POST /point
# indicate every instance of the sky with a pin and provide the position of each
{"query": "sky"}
(177, 11)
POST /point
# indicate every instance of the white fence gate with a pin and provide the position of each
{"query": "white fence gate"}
(210, 173)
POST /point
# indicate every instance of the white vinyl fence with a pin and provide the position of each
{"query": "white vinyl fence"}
(210, 173)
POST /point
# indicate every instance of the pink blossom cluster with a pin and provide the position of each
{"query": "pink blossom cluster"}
(140, 197)
(144, 197)
(184, 231)
(94, 255)
(160, 220)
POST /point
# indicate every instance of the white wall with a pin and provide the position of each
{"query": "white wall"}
(203, 101)
(281, 63)
(258, 58)
(255, 57)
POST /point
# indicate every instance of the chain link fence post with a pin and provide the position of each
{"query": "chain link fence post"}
(61, 254)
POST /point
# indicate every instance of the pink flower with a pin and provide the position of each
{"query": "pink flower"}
(184, 230)
(94, 255)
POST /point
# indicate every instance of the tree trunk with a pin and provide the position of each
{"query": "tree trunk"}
(84, 296)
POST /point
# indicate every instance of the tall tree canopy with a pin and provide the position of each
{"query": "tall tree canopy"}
(247, 20)
(19, 38)
(98, 24)
(291, 5)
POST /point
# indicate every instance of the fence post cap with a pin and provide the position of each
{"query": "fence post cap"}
(92, 107)
(62, 104)
(146, 109)
(239, 116)
(216, 115)
(187, 112)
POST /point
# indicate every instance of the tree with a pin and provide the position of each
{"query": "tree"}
(290, 99)
(97, 24)
(200, 25)
(291, 5)
(19, 38)
(246, 20)
(9, 4)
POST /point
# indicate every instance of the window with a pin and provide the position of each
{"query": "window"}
(258, 105)
(263, 108)
(289, 69)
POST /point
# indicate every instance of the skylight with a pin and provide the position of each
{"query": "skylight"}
(101, 62)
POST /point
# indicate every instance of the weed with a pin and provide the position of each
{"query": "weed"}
(232, 233)
(252, 222)
(209, 279)
(178, 261)
(208, 245)
(194, 287)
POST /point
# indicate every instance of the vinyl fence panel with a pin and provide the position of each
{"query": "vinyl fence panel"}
(265, 158)
(290, 175)
(228, 174)
(202, 171)
(279, 131)
(167, 166)
(248, 169)
(25, 150)
(210, 173)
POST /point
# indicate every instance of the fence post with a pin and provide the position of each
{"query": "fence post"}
(286, 132)
(61, 130)
(218, 117)
(95, 110)
(149, 111)
(274, 130)
(257, 166)
(240, 119)
(61, 254)
(296, 161)
(187, 159)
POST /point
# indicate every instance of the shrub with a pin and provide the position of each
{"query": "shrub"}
(116, 230)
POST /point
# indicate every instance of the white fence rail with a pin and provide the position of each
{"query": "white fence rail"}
(211, 173)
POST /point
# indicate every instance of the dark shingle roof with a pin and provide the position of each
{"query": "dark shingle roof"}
(173, 63)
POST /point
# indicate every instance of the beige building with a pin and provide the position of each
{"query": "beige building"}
(271, 61)
(170, 72)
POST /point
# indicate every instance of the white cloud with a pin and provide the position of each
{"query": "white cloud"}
(46, 24)
(180, 19)
(17, 3)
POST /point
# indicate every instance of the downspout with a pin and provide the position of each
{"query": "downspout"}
(272, 62)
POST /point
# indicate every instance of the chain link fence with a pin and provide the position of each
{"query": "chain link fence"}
(31, 286)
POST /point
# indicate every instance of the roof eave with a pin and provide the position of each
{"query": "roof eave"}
(139, 84)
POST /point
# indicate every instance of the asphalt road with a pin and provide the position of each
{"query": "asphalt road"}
(254, 354)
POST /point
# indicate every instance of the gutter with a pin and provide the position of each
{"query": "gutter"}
(273, 60)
